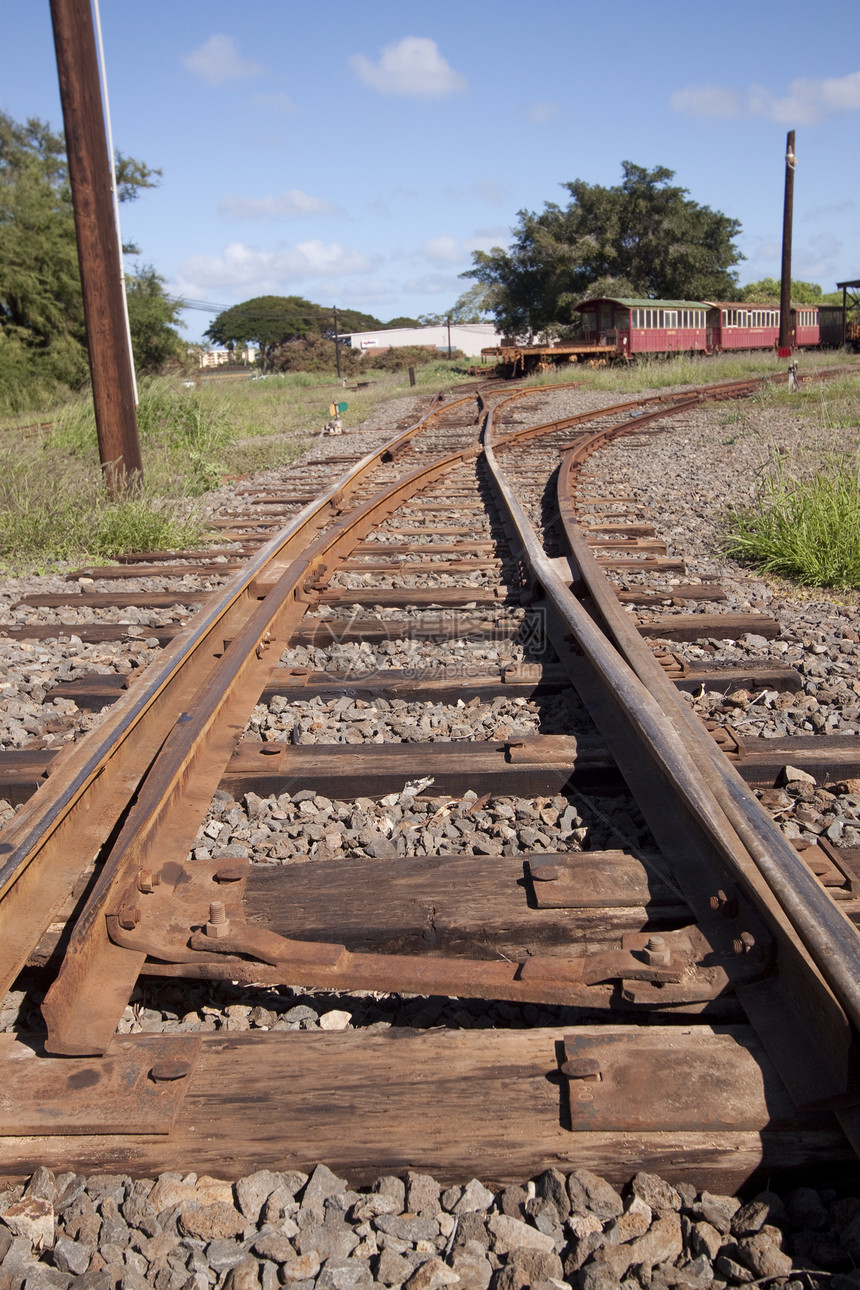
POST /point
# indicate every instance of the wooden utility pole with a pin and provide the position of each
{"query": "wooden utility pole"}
(336, 343)
(90, 175)
(787, 214)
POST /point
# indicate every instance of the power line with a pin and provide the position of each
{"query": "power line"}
(205, 305)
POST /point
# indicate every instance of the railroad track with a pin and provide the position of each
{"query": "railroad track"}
(680, 994)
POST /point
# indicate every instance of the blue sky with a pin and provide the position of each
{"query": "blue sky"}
(356, 154)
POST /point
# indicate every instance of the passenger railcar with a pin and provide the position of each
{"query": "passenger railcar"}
(644, 326)
(624, 328)
(693, 326)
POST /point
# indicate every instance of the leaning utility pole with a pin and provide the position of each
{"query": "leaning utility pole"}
(90, 175)
(785, 282)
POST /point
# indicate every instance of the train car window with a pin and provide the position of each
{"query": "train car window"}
(622, 320)
(670, 318)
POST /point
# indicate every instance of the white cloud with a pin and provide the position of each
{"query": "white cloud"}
(443, 250)
(808, 100)
(275, 102)
(828, 210)
(816, 260)
(542, 113)
(293, 202)
(219, 61)
(813, 259)
(250, 269)
(413, 66)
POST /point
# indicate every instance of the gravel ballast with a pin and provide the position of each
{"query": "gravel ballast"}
(314, 1232)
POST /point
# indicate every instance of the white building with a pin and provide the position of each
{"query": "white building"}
(221, 357)
(470, 338)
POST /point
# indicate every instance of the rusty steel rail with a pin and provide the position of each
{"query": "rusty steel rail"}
(97, 975)
(47, 845)
(152, 908)
(677, 776)
(107, 949)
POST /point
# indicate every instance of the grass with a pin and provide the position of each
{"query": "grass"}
(804, 524)
(807, 530)
(53, 506)
(49, 515)
(52, 503)
(659, 373)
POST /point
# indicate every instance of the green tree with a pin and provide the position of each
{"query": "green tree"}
(644, 237)
(41, 310)
(274, 321)
(401, 322)
(42, 332)
(153, 318)
(767, 290)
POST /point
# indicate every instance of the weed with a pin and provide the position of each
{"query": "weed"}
(805, 529)
(51, 514)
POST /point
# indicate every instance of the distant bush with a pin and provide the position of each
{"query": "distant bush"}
(315, 354)
(398, 358)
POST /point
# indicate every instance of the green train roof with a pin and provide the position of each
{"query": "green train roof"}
(629, 303)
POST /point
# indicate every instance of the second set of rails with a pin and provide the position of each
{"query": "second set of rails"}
(696, 992)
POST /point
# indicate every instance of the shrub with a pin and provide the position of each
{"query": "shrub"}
(398, 358)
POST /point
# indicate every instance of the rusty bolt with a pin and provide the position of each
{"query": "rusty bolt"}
(231, 873)
(219, 923)
(744, 943)
(585, 1068)
(723, 904)
(147, 881)
(129, 917)
(167, 1070)
(657, 953)
(544, 872)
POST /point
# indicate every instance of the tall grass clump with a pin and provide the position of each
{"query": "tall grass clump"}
(806, 529)
(52, 511)
(184, 436)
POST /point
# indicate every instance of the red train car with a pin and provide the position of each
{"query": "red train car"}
(691, 326)
(751, 326)
(645, 326)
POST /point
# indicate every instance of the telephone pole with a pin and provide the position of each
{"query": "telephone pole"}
(787, 215)
(90, 175)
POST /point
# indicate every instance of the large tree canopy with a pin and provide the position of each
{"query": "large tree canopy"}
(272, 321)
(644, 237)
(42, 333)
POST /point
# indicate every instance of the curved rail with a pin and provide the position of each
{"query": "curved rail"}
(830, 937)
(726, 843)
